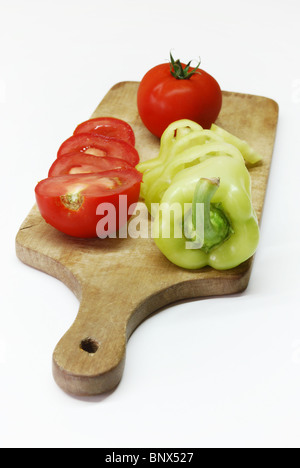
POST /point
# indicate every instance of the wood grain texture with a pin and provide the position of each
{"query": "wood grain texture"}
(120, 282)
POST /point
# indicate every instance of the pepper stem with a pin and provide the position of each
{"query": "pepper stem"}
(216, 224)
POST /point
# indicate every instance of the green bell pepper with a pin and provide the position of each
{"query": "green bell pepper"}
(192, 156)
(250, 155)
(178, 136)
(226, 234)
(184, 144)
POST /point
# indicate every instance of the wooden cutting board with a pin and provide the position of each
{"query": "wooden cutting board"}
(120, 282)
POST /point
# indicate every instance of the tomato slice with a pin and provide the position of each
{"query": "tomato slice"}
(107, 126)
(76, 204)
(99, 145)
(79, 163)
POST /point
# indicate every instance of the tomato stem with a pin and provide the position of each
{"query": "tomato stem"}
(180, 73)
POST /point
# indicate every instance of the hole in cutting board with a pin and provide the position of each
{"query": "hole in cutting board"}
(89, 345)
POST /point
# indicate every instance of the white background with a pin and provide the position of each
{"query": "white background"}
(219, 372)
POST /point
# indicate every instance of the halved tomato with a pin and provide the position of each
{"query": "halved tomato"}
(107, 126)
(98, 145)
(79, 163)
(77, 205)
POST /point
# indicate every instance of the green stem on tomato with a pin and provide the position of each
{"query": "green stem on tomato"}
(180, 73)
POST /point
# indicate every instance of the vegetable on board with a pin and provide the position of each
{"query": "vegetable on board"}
(109, 127)
(80, 163)
(201, 169)
(184, 144)
(70, 203)
(174, 91)
(226, 235)
(99, 145)
(93, 182)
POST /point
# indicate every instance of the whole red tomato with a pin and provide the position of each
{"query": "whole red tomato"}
(174, 91)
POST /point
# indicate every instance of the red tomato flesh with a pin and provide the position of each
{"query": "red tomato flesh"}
(81, 163)
(107, 126)
(69, 203)
(100, 146)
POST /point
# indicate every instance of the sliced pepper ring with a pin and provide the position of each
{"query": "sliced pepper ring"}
(188, 158)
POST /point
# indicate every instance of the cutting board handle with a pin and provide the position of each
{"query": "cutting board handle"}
(89, 359)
